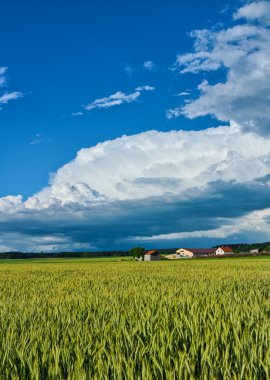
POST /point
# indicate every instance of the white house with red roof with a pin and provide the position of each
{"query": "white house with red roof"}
(224, 251)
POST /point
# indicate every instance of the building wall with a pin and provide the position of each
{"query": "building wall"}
(184, 253)
(254, 251)
(220, 251)
(152, 257)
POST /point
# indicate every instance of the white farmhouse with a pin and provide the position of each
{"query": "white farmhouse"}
(195, 252)
(224, 251)
(254, 250)
(182, 252)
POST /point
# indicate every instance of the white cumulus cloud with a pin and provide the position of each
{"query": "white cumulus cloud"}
(244, 52)
(259, 10)
(158, 162)
(111, 193)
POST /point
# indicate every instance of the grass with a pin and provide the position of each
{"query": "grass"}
(84, 319)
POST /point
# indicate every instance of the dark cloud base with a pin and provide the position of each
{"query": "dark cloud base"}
(104, 226)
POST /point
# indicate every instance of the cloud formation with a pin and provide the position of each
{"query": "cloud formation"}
(149, 65)
(158, 162)
(243, 51)
(183, 93)
(202, 183)
(5, 96)
(256, 224)
(115, 99)
(168, 186)
(259, 11)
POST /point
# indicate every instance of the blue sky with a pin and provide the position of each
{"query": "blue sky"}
(87, 72)
(63, 56)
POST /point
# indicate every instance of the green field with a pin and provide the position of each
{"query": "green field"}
(88, 319)
(66, 260)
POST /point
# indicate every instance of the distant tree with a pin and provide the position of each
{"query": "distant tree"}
(267, 249)
(137, 253)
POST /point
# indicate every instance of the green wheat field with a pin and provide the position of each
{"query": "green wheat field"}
(85, 319)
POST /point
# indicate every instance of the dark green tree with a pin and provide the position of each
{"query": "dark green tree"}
(137, 253)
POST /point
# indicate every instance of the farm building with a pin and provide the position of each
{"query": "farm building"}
(153, 255)
(224, 251)
(195, 252)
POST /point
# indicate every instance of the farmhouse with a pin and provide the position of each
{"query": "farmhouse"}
(224, 251)
(254, 250)
(153, 255)
(195, 252)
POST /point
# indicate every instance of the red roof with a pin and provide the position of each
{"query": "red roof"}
(201, 251)
(153, 252)
(226, 249)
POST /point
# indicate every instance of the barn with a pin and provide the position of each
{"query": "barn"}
(152, 255)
